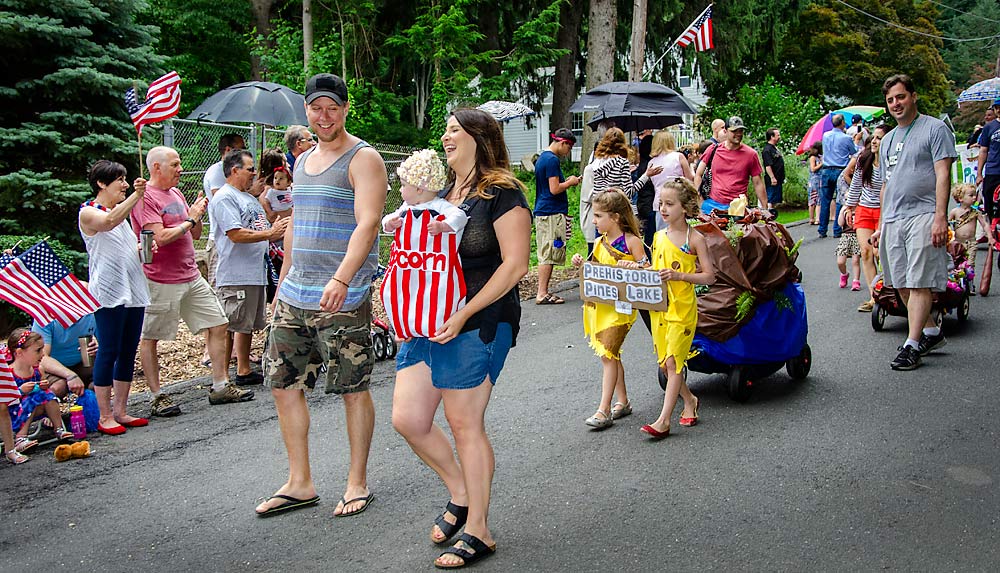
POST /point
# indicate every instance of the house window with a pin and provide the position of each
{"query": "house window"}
(577, 126)
(684, 81)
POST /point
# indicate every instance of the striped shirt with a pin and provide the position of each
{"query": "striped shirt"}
(323, 224)
(615, 172)
(865, 195)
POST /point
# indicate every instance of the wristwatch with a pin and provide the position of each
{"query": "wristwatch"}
(192, 221)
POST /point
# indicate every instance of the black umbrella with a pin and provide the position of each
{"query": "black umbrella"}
(634, 105)
(254, 102)
(636, 121)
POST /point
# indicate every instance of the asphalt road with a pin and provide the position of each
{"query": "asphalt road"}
(858, 468)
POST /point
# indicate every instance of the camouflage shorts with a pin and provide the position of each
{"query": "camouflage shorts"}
(302, 344)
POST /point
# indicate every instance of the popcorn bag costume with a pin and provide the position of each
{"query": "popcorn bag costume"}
(423, 285)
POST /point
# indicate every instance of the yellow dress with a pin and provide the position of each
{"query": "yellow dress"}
(601, 322)
(673, 329)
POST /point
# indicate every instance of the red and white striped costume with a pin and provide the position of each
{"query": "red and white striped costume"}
(424, 284)
(10, 394)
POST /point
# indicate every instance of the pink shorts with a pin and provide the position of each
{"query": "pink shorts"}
(866, 218)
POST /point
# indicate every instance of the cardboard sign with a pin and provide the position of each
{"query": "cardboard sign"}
(626, 289)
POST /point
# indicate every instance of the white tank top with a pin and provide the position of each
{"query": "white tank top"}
(116, 276)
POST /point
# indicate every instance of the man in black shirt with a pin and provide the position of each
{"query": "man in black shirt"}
(774, 169)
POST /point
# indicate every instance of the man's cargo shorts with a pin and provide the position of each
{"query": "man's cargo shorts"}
(302, 344)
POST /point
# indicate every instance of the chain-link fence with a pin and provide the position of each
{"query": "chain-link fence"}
(197, 142)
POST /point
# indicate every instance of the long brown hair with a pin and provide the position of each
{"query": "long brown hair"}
(613, 143)
(492, 163)
(866, 159)
(614, 202)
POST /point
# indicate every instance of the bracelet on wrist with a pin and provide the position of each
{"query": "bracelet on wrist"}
(340, 281)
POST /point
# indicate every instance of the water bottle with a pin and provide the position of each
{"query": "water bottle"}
(77, 423)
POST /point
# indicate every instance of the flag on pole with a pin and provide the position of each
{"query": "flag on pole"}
(699, 32)
(163, 101)
(38, 283)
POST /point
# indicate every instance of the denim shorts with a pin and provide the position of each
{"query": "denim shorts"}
(463, 362)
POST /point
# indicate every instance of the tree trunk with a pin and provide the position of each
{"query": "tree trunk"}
(489, 26)
(307, 34)
(637, 53)
(262, 23)
(600, 57)
(564, 82)
(422, 95)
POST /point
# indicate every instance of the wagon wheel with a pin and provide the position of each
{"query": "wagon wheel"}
(963, 308)
(390, 346)
(798, 367)
(662, 378)
(738, 385)
(378, 344)
(878, 317)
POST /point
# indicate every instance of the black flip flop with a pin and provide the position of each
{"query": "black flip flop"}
(291, 503)
(482, 551)
(368, 499)
(450, 529)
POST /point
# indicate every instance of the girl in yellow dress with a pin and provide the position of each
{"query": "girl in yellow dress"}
(678, 253)
(619, 244)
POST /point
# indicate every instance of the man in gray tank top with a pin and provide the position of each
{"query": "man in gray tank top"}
(321, 324)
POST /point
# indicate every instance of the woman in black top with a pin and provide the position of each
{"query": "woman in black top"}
(471, 346)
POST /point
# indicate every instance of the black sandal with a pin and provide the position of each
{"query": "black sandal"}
(482, 551)
(450, 529)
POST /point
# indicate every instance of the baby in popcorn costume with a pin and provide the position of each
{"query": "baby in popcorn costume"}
(423, 284)
(423, 177)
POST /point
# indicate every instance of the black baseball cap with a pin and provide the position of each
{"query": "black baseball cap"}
(326, 85)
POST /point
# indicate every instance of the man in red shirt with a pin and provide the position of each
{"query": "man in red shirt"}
(176, 288)
(734, 167)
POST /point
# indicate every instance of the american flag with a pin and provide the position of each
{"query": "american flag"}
(38, 283)
(163, 101)
(700, 32)
(9, 393)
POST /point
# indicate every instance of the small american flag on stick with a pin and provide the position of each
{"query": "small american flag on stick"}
(163, 101)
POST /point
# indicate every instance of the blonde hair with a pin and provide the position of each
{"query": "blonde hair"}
(614, 202)
(686, 194)
(959, 191)
(612, 144)
(663, 142)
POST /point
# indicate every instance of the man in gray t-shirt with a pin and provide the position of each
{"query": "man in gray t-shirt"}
(915, 164)
(241, 234)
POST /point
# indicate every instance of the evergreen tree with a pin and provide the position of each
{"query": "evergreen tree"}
(65, 68)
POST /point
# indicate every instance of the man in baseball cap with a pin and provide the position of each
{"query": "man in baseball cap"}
(326, 85)
(735, 166)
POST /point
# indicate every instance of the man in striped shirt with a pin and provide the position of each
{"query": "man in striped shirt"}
(322, 312)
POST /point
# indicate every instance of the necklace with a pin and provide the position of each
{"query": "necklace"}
(95, 204)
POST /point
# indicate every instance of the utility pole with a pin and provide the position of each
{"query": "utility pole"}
(637, 53)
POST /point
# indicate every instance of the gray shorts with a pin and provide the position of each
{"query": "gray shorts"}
(909, 258)
(244, 306)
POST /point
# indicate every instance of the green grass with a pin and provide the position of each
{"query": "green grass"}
(792, 216)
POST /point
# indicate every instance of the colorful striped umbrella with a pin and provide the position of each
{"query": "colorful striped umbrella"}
(825, 123)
